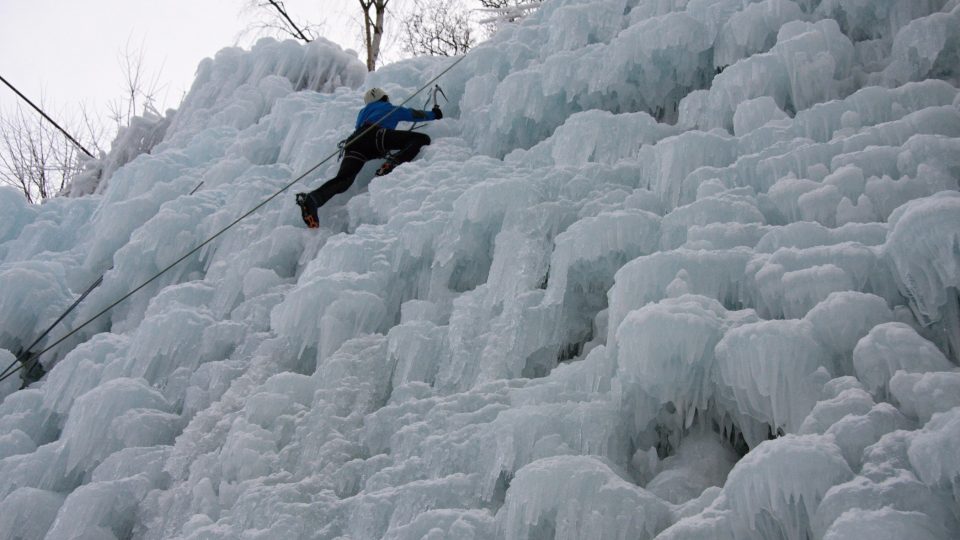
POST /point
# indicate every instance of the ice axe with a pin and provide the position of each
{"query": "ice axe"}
(432, 96)
(437, 90)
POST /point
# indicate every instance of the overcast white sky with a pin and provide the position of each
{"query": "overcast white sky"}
(68, 51)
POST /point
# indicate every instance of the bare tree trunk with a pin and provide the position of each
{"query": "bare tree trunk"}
(373, 29)
(377, 34)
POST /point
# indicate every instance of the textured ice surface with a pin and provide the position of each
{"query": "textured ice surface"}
(931, 454)
(577, 497)
(920, 395)
(768, 376)
(701, 462)
(29, 512)
(669, 268)
(781, 508)
(892, 347)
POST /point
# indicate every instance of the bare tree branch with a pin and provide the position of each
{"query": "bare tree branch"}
(140, 90)
(279, 21)
(34, 157)
(506, 11)
(283, 13)
(40, 110)
(438, 28)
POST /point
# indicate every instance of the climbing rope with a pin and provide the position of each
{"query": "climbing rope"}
(47, 117)
(25, 355)
(32, 360)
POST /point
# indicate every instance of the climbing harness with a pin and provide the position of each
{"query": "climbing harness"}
(432, 96)
(33, 358)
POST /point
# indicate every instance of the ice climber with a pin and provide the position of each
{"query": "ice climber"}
(374, 138)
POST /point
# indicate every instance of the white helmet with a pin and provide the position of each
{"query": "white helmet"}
(373, 94)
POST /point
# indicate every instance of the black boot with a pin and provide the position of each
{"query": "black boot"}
(308, 210)
(387, 166)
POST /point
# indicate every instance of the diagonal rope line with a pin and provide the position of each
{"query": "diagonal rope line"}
(26, 350)
(51, 120)
(33, 360)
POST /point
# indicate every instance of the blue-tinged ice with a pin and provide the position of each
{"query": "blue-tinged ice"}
(668, 269)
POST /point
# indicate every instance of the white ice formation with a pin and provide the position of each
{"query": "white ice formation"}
(670, 269)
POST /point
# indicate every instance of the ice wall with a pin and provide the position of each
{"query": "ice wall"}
(669, 269)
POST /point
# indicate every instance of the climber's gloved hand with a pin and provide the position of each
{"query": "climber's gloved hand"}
(437, 113)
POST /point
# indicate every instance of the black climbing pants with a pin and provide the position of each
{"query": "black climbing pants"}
(375, 144)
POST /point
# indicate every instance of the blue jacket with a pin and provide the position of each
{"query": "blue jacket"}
(380, 111)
